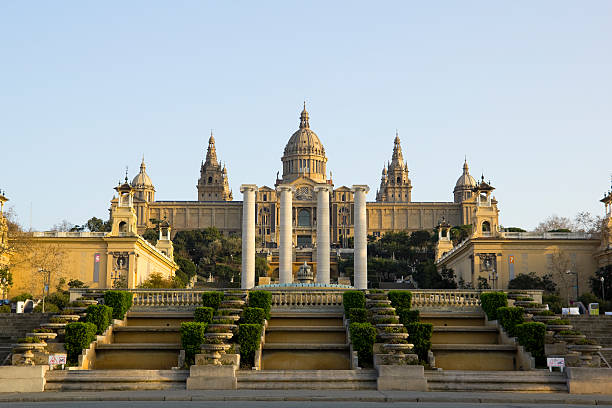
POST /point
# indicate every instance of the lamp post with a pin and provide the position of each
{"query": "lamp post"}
(493, 277)
(115, 276)
(46, 281)
(603, 292)
(576, 275)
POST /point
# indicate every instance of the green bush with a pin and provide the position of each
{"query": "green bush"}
(557, 322)
(509, 318)
(420, 337)
(78, 337)
(400, 298)
(100, 315)
(249, 338)
(353, 299)
(254, 315)
(261, 299)
(363, 336)
(49, 308)
(531, 336)
(192, 337)
(408, 316)
(212, 299)
(491, 301)
(119, 300)
(5, 309)
(357, 315)
(554, 302)
(203, 314)
(22, 297)
(59, 299)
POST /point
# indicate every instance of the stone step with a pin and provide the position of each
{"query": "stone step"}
(465, 335)
(115, 380)
(305, 346)
(308, 379)
(516, 381)
(139, 346)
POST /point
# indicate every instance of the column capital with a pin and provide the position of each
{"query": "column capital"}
(248, 187)
(285, 187)
(360, 187)
(323, 187)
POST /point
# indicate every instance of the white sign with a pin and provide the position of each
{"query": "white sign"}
(555, 362)
(56, 359)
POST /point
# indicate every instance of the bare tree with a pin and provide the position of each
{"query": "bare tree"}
(63, 226)
(559, 265)
(554, 222)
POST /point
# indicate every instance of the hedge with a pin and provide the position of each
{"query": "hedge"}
(254, 315)
(357, 315)
(249, 338)
(353, 299)
(420, 337)
(192, 337)
(212, 299)
(100, 315)
(5, 309)
(49, 308)
(203, 314)
(531, 336)
(363, 336)
(400, 298)
(491, 301)
(261, 299)
(509, 318)
(78, 337)
(119, 300)
(408, 316)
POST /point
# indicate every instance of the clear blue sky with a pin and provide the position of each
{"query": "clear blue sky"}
(523, 88)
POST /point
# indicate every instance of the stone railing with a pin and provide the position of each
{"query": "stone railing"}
(167, 297)
(307, 299)
(445, 298)
(548, 235)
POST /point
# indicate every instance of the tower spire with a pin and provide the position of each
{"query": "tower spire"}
(211, 154)
(304, 119)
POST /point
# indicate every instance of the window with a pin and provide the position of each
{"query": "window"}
(304, 218)
(399, 180)
(486, 227)
(122, 226)
(265, 197)
(210, 180)
(343, 197)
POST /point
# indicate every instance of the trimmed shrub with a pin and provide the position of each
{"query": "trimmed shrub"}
(119, 300)
(192, 337)
(408, 316)
(491, 301)
(100, 315)
(212, 299)
(49, 308)
(249, 338)
(261, 299)
(358, 315)
(353, 299)
(254, 315)
(59, 299)
(420, 337)
(400, 298)
(78, 337)
(22, 297)
(531, 336)
(363, 336)
(203, 314)
(509, 318)
(5, 309)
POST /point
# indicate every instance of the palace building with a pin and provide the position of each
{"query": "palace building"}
(304, 165)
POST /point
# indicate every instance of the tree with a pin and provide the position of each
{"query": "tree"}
(95, 224)
(261, 266)
(514, 229)
(483, 283)
(596, 283)
(6, 281)
(151, 235)
(532, 281)
(63, 226)
(554, 223)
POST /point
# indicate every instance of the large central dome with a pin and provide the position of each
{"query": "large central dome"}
(304, 154)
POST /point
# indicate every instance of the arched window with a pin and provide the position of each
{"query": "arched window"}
(399, 180)
(210, 180)
(304, 218)
(122, 226)
(486, 227)
(343, 197)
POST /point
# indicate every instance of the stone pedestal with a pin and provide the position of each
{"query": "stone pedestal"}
(248, 235)
(285, 250)
(361, 237)
(401, 378)
(323, 237)
(212, 377)
(23, 379)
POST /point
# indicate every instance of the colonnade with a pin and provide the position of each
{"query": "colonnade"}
(285, 245)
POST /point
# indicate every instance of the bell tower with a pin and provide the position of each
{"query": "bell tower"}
(123, 215)
(164, 243)
(485, 219)
(213, 184)
(395, 185)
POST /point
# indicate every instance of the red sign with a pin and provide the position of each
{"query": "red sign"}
(97, 258)
(511, 259)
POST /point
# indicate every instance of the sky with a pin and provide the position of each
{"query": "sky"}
(522, 88)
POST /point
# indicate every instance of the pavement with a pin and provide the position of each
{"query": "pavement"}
(272, 397)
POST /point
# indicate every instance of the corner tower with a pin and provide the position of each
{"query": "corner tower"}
(395, 185)
(143, 187)
(213, 184)
(465, 184)
(304, 155)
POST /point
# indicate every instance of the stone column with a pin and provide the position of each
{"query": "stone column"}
(285, 248)
(248, 235)
(360, 237)
(323, 191)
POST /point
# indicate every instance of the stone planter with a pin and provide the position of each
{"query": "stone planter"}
(395, 318)
(219, 336)
(228, 327)
(212, 352)
(570, 338)
(383, 326)
(397, 348)
(585, 348)
(558, 327)
(543, 319)
(232, 304)
(392, 336)
(70, 317)
(229, 317)
(230, 311)
(376, 296)
(381, 309)
(43, 336)
(375, 301)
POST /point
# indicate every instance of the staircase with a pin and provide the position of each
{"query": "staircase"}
(461, 341)
(305, 341)
(307, 380)
(598, 328)
(15, 326)
(508, 381)
(115, 380)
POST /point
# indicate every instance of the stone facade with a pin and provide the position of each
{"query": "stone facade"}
(304, 166)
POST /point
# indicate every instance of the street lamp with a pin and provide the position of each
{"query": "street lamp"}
(115, 276)
(576, 275)
(493, 277)
(603, 292)
(46, 282)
